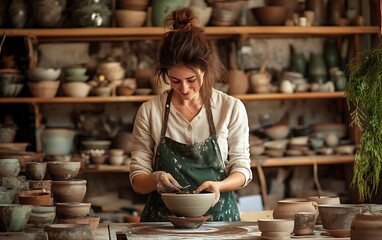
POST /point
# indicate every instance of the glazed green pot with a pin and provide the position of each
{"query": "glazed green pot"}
(162, 8)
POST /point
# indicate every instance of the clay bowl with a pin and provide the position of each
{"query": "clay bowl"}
(270, 15)
(96, 144)
(42, 215)
(192, 205)
(35, 170)
(46, 185)
(44, 89)
(69, 231)
(14, 216)
(72, 210)
(339, 216)
(23, 157)
(14, 146)
(130, 18)
(7, 195)
(9, 167)
(277, 132)
(76, 89)
(93, 221)
(38, 197)
(62, 171)
(276, 225)
(188, 223)
(69, 191)
(75, 71)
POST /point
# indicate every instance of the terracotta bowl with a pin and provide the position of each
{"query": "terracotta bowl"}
(46, 185)
(271, 15)
(133, 4)
(44, 89)
(130, 18)
(69, 191)
(93, 221)
(59, 171)
(276, 225)
(69, 231)
(277, 132)
(36, 170)
(188, 204)
(9, 167)
(339, 216)
(38, 197)
(72, 210)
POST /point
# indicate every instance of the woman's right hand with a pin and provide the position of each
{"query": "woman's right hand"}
(165, 182)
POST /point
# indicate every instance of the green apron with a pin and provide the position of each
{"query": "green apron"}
(191, 165)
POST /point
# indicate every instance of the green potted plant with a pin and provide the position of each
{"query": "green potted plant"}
(364, 98)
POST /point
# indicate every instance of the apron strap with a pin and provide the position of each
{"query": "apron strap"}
(167, 113)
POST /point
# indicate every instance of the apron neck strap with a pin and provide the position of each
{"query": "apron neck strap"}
(167, 113)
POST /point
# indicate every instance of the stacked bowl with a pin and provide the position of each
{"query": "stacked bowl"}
(131, 13)
(11, 82)
(43, 82)
(75, 82)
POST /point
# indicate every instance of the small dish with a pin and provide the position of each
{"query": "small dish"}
(188, 222)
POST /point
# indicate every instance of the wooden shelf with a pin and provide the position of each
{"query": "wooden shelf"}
(303, 160)
(117, 34)
(136, 98)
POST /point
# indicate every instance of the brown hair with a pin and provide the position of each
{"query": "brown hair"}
(187, 45)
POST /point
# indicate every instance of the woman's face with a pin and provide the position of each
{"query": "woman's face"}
(185, 82)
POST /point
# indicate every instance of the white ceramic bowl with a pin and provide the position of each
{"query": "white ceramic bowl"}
(188, 204)
(43, 74)
(76, 89)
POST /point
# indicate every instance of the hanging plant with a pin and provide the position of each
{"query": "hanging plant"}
(364, 97)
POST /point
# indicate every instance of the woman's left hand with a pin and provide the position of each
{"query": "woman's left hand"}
(210, 186)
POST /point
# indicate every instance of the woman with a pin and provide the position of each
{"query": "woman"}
(191, 135)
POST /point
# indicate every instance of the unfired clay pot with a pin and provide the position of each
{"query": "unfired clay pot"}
(286, 209)
(69, 191)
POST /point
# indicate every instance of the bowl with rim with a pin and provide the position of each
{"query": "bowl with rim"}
(188, 204)
(42, 74)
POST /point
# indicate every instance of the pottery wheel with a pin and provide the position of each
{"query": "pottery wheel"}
(205, 230)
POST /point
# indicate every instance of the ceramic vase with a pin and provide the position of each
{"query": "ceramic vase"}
(47, 13)
(298, 62)
(317, 68)
(286, 209)
(331, 54)
(19, 13)
(162, 8)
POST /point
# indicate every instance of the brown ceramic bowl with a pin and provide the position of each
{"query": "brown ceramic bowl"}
(36, 170)
(38, 197)
(188, 223)
(271, 15)
(72, 210)
(339, 216)
(60, 171)
(69, 191)
(46, 185)
(276, 225)
(42, 215)
(188, 204)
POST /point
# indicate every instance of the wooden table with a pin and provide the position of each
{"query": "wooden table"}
(210, 230)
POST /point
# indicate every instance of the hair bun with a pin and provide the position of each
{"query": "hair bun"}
(181, 19)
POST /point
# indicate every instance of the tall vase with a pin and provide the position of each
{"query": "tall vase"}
(298, 62)
(317, 68)
(335, 11)
(318, 7)
(162, 8)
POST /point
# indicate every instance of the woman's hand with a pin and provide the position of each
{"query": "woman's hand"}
(165, 182)
(210, 186)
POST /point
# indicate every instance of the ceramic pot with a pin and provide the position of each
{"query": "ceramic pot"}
(366, 226)
(19, 13)
(42, 215)
(292, 6)
(339, 216)
(72, 210)
(162, 8)
(237, 81)
(36, 170)
(298, 62)
(46, 185)
(9, 167)
(331, 54)
(317, 68)
(69, 191)
(324, 199)
(47, 13)
(15, 217)
(57, 141)
(59, 171)
(286, 209)
(7, 195)
(37, 197)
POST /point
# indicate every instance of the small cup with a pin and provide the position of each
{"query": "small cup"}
(304, 223)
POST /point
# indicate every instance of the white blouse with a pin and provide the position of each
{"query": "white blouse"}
(231, 123)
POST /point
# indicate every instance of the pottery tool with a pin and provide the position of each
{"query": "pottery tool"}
(184, 189)
(2, 41)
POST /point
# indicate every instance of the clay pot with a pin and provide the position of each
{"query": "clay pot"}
(275, 225)
(286, 209)
(69, 191)
(339, 216)
(7, 195)
(304, 223)
(46, 185)
(366, 226)
(17, 183)
(162, 8)
(36, 197)
(15, 217)
(36, 170)
(9, 167)
(93, 221)
(72, 210)
(42, 215)
(69, 231)
(324, 200)
(60, 171)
